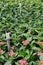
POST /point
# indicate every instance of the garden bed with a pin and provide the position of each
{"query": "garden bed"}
(24, 20)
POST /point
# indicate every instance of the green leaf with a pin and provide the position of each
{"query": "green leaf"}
(8, 63)
(41, 57)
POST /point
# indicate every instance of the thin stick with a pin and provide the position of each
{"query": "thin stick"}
(8, 40)
(20, 6)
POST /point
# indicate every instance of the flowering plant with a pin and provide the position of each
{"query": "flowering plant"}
(24, 20)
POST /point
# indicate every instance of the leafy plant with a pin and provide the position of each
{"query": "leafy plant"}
(24, 20)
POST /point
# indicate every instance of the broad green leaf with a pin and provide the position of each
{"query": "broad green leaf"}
(8, 63)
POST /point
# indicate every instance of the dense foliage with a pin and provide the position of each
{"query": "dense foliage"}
(25, 24)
